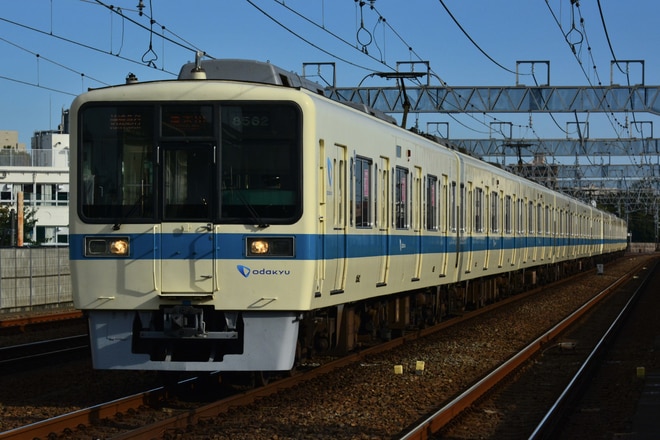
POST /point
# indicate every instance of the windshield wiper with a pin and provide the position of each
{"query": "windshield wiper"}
(253, 212)
(134, 207)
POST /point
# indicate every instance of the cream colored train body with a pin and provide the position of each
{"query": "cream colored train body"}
(231, 224)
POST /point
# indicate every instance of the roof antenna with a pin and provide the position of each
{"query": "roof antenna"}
(198, 71)
(131, 78)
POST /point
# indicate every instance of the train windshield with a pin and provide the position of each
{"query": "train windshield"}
(248, 154)
(261, 162)
(116, 163)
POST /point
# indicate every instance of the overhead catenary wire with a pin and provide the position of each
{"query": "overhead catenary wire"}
(114, 11)
(575, 5)
(306, 40)
(607, 34)
(41, 57)
(149, 29)
(472, 40)
(79, 44)
(382, 19)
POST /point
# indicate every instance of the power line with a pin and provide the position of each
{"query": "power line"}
(26, 83)
(77, 43)
(41, 57)
(607, 35)
(149, 29)
(472, 40)
(297, 35)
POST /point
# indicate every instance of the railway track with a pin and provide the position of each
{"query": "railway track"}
(550, 425)
(26, 328)
(34, 354)
(549, 422)
(182, 421)
(20, 323)
(89, 416)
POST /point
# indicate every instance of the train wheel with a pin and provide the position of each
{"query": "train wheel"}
(261, 378)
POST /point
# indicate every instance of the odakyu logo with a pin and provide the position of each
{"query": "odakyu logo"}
(246, 271)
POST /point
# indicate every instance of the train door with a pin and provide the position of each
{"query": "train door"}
(488, 226)
(452, 237)
(512, 229)
(519, 231)
(529, 230)
(417, 208)
(453, 245)
(469, 219)
(459, 218)
(324, 179)
(186, 232)
(335, 249)
(382, 218)
(502, 229)
(541, 231)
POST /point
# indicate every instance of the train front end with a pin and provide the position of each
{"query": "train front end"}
(189, 248)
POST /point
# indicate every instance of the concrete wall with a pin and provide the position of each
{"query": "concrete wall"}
(639, 248)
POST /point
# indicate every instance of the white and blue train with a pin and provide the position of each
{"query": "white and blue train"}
(236, 219)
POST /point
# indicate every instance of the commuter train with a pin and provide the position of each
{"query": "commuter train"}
(236, 219)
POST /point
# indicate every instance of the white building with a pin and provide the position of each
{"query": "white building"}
(42, 175)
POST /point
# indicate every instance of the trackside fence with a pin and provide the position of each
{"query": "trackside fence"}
(33, 278)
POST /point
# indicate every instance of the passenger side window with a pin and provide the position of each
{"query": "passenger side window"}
(494, 204)
(451, 208)
(401, 198)
(507, 215)
(431, 203)
(479, 210)
(363, 214)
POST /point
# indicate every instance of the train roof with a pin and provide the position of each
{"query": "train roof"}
(249, 71)
(264, 73)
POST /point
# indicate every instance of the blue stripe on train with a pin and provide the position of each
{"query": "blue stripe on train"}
(148, 246)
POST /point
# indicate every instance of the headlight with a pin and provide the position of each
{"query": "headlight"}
(259, 247)
(107, 246)
(119, 247)
(269, 247)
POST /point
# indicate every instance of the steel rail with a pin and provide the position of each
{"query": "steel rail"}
(45, 428)
(88, 416)
(181, 421)
(35, 354)
(447, 413)
(571, 392)
(23, 322)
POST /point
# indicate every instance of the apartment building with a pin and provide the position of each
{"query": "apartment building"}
(41, 174)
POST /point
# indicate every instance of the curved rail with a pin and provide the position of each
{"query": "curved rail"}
(549, 422)
(444, 415)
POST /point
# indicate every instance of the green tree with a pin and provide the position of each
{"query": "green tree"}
(642, 227)
(6, 228)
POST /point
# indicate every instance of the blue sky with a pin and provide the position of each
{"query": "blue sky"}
(55, 49)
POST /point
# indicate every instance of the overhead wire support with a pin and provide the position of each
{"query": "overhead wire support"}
(400, 76)
(510, 99)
